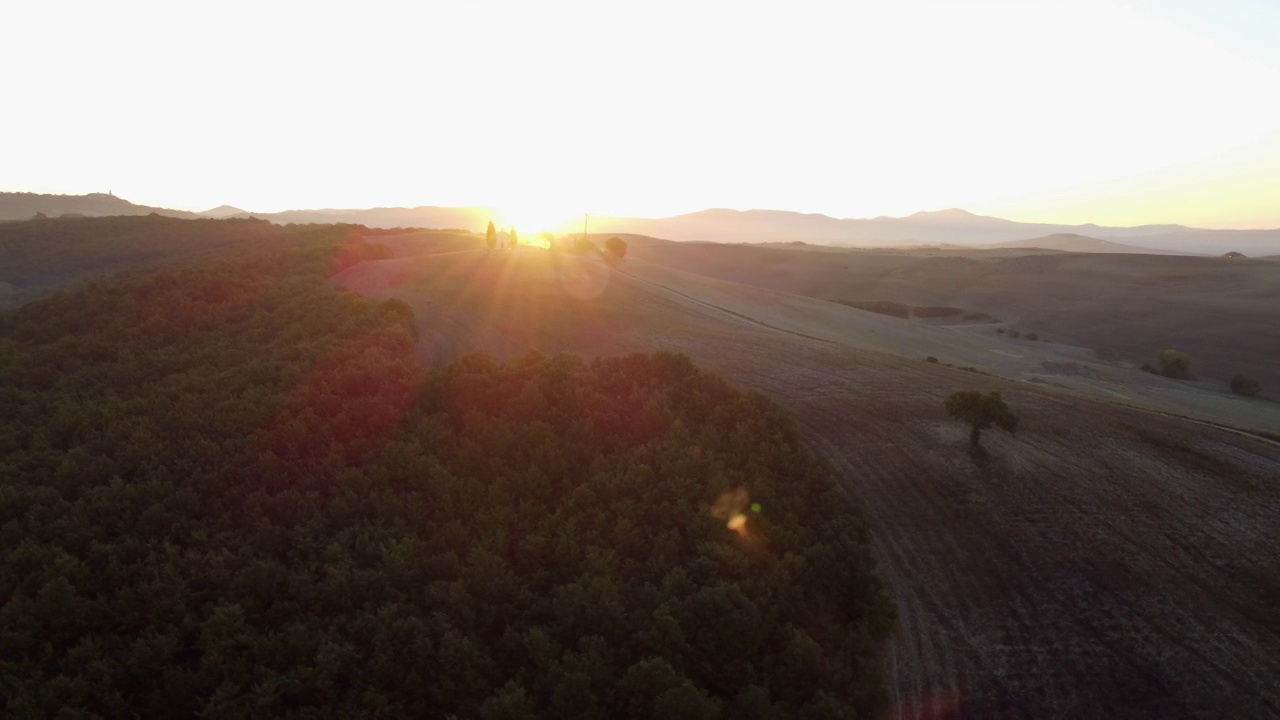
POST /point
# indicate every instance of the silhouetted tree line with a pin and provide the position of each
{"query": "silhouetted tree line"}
(230, 491)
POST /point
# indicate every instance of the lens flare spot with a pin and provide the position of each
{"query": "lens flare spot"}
(581, 278)
(732, 507)
(730, 503)
(755, 507)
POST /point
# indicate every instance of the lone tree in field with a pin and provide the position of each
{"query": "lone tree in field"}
(1174, 364)
(981, 411)
(616, 247)
(491, 236)
(515, 239)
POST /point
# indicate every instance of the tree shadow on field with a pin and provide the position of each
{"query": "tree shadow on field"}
(991, 465)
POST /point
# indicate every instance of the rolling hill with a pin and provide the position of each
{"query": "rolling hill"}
(222, 211)
(24, 206)
(472, 219)
(1026, 585)
(39, 256)
(1121, 307)
(924, 228)
(228, 489)
(954, 226)
(1110, 559)
(1070, 242)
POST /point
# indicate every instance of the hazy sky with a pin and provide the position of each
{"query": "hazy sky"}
(1074, 111)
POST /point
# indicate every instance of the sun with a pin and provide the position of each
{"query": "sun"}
(532, 219)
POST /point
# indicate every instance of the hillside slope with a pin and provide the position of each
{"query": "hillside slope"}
(1124, 307)
(38, 256)
(923, 228)
(229, 491)
(1106, 561)
(1071, 242)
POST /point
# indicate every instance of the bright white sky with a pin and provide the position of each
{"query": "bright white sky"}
(1075, 111)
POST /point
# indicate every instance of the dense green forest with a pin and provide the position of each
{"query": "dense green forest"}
(229, 491)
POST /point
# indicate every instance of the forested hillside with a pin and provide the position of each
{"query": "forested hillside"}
(38, 256)
(229, 491)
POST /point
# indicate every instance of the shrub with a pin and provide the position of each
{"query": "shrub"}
(931, 359)
(1032, 336)
(1241, 385)
(935, 311)
(1015, 334)
(881, 307)
(1000, 330)
(615, 248)
(1174, 364)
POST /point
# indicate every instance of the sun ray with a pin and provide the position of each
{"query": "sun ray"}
(532, 219)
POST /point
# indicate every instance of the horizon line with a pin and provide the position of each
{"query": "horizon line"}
(496, 210)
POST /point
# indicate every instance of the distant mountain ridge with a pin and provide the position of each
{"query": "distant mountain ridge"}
(424, 216)
(953, 226)
(938, 227)
(24, 206)
(222, 211)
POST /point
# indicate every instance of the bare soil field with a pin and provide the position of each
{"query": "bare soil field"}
(1105, 562)
(971, 345)
(1125, 308)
